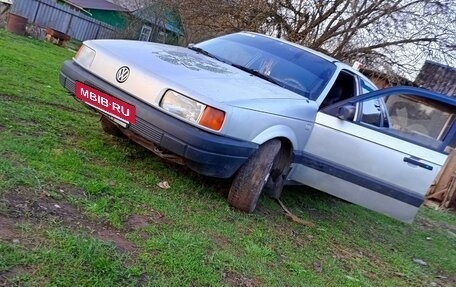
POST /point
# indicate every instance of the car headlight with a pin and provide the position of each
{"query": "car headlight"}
(85, 56)
(192, 111)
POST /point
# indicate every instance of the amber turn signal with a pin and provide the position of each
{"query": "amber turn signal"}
(212, 118)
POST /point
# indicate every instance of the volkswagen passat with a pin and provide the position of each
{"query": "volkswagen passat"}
(267, 113)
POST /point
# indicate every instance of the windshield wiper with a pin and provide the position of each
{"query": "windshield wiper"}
(204, 52)
(258, 74)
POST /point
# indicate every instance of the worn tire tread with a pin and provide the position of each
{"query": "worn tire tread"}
(250, 179)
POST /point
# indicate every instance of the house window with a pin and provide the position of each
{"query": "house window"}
(145, 33)
(161, 37)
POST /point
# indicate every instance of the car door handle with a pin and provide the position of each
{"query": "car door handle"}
(417, 163)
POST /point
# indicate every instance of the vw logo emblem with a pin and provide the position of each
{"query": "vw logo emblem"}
(122, 74)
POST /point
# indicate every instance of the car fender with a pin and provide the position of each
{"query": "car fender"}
(277, 131)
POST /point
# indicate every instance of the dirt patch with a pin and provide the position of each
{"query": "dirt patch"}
(116, 238)
(8, 230)
(4, 98)
(7, 278)
(349, 258)
(25, 205)
(233, 278)
(73, 191)
(220, 240)
(426, 224)
(444, 280)
(429, 225)
(299, 237)
(135, 222)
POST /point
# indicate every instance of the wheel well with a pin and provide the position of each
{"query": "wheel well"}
(286, 144)
(286, 153)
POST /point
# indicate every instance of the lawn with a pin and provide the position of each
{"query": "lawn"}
(81, 208)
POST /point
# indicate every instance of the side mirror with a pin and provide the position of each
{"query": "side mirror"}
(346, 112)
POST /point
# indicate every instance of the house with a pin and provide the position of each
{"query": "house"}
(437, 77)
(153, 21)
(159, 24)
(101, 10)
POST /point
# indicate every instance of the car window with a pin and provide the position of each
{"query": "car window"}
(424, 121)
(373, 113)
(366, 87)
(343, 88)
(296, 69)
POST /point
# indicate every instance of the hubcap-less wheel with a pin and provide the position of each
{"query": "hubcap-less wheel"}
(279, 173)
(252, 176)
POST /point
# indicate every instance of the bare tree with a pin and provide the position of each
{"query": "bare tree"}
(388, 33)
(215, 17)
(393, 35)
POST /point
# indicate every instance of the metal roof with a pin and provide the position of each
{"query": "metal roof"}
(96, 4)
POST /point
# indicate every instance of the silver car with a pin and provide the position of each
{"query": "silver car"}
(267, 113)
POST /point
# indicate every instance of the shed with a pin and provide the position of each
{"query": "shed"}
(437, 77)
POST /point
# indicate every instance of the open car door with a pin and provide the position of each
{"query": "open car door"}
(381, 150)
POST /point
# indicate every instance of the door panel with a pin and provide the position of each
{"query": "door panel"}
(354, 193)
(368, 170)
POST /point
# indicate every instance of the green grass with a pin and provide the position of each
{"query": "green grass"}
(53, 152)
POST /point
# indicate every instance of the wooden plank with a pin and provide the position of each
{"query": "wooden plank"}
(443, 178)
(438, 195)
(449, 199)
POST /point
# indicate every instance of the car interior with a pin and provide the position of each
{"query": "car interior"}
(344, 87)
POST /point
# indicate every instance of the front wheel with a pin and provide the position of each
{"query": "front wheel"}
(252, 176)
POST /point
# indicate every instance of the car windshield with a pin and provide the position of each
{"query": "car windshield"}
(289, 66)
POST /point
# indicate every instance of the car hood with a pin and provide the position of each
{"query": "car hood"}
(155, 67)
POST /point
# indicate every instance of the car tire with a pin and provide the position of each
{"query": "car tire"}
(109, 127)
(252, 176)
(279, 173)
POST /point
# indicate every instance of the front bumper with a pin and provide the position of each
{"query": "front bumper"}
(206, 153)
